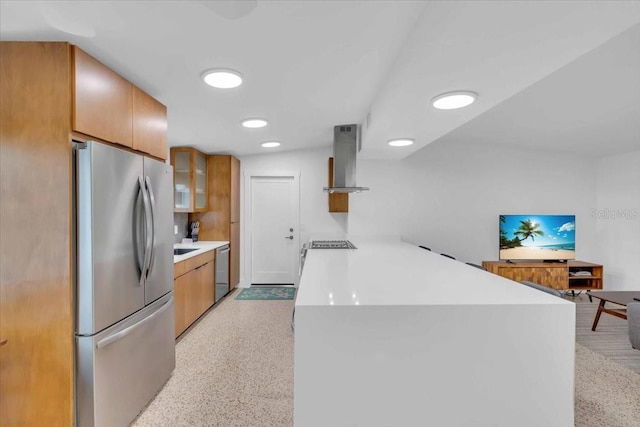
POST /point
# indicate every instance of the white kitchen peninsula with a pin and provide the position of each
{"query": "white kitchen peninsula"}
(393, 335)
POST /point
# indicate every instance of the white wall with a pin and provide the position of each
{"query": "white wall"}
(618, 220)
(458, 190)
(447, 196)
(372, 212)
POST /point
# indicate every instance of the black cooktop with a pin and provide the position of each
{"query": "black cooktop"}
(332, 244)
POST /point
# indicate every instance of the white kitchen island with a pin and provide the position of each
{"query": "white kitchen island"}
(392, 335)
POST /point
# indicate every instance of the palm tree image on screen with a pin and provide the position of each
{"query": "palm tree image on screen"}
(537, 237)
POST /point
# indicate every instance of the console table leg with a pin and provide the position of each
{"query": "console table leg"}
(599, 312)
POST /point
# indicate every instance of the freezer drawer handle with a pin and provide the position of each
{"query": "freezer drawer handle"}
(123, 333)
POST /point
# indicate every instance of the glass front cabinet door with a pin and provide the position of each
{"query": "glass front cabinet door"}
(189, 180)
(200, 183)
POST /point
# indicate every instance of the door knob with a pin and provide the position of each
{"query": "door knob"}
(290, 237)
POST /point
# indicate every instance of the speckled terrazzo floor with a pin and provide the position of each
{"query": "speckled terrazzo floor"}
(235, 368)
(607, 394)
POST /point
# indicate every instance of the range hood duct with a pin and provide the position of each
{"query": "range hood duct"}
(346, 144)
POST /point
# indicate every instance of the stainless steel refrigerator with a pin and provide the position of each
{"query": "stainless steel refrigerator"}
(125, 347)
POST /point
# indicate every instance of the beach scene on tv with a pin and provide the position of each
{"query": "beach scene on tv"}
(537, 237)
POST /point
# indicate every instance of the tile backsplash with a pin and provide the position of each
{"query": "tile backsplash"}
(182, 221)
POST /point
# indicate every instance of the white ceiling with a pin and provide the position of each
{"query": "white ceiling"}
(590, 107)
(310, 65)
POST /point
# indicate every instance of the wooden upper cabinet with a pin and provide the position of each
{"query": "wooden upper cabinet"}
(108, 107)
(215, 222)
(189, 179)
(149, 124)
(235, 189)
(200, 181)
(338, 202)
(102, 101)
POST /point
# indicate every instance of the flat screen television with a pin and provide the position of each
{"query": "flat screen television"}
(538, 237)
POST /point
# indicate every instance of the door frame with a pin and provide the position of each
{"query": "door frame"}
(246, 223)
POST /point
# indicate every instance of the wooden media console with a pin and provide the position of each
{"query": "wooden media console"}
(572, 275)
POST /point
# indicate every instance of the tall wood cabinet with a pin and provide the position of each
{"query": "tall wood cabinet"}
(222, 219)
(50, 92)
(36, 311)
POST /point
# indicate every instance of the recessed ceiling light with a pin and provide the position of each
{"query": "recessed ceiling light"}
(401, 142)
(254, 123)
(270, 144)
(453, 100)
(222, 78)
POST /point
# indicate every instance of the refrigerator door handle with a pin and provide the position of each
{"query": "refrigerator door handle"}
(148, 232)
(123, 333)
(152, 203)
(136, 232)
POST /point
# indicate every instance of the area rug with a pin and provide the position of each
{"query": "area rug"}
(607, 393)
(266, 293)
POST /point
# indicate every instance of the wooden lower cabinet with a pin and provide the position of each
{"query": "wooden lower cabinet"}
(194, 293)
(560, 276)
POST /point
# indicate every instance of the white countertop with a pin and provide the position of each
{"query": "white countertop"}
(392, 335)
(392, 272)
(202, 246)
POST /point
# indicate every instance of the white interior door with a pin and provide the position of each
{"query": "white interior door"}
(274, 229)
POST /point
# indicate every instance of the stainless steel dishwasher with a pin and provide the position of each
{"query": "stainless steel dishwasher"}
(222, 271)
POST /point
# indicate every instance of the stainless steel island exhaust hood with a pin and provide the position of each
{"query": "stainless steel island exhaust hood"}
(346, 141)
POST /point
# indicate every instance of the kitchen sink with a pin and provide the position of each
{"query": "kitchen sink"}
(182, 251)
